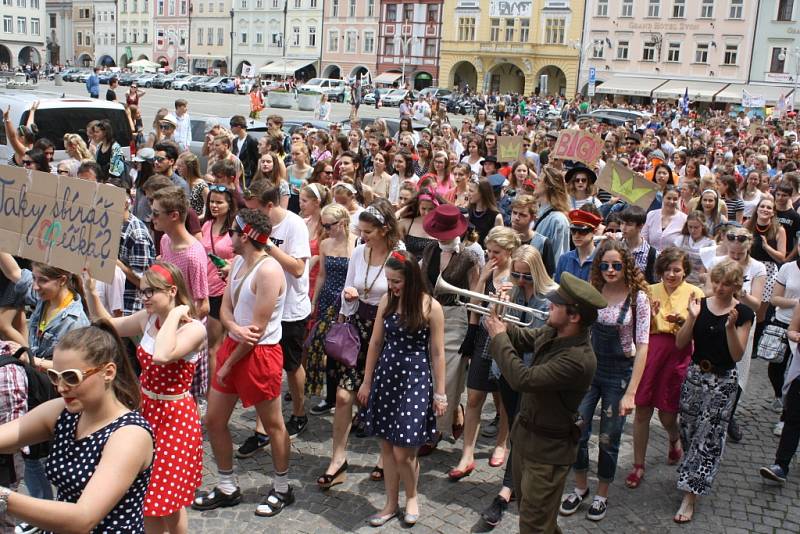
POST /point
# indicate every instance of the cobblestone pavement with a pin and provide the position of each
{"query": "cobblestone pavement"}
(740, 502)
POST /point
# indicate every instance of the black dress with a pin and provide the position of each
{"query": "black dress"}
(483, 222)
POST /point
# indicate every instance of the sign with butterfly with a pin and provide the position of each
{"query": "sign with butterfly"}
(629, 186)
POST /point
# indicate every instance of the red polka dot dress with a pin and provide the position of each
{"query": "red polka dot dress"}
(177, 469)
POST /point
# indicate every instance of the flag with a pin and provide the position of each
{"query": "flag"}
(780, 108)
(686, 101)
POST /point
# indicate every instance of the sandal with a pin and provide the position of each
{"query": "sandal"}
(327, 481)
(376, 474)
(216, 498)
(458, 430)
(429, 447)
(274, 503)
(684, 513)
(675, 453)
(635, 477)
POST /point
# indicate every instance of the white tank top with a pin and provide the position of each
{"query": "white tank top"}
(243, 308)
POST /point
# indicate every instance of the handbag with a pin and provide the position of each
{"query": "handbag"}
(342, 343)
(773, 343)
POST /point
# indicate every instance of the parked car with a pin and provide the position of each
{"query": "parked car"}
(219, 84)
(146, 80)
(73, 76)
(245, 86)
(195, 85)
(183, 84)
(396, 96)
(290, 125)
(127, 78)
(68, 71)
(160, 80)
(436, 92)
(335, 89)
(83, 76)
(369, 98)
(626, 114)
(393, 125)
(176, 77)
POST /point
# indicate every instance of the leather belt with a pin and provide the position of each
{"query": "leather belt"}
(159, 396)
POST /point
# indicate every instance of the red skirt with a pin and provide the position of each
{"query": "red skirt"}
(664, 373)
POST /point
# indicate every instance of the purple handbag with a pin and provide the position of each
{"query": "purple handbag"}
(342, 343)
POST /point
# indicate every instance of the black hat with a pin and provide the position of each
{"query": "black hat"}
(634, 137)
(580, 168)
(489, 159)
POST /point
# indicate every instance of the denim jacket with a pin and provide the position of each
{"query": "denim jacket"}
(537, 302)
(73, 316)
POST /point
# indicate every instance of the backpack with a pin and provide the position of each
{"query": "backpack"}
(40, 390)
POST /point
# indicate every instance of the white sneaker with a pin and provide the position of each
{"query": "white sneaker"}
(778, 430)
(777, 405)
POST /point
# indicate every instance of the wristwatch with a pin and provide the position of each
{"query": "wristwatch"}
(4, 493)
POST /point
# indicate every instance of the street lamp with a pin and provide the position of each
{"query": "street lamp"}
(230, 65)
(404, 44)
(796, 53)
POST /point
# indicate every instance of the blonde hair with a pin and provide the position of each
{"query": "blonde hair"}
(728, 272)
(503, 237)
(157, 281)
(339, 213)
(318, 192)
(81, 150)
(542, 283)
(525, 202)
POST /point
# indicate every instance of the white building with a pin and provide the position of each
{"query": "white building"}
(22, 40)
(60, 48)
(210, 36)
(303, 38)
(259, 29)
(135, 36)
(105, 30)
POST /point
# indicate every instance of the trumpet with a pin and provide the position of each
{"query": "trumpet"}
(494, 303)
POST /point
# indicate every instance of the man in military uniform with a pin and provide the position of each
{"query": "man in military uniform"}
(545, 434)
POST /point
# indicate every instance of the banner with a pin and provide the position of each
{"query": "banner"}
(631, 187)
(510, 8)
(65, 222)
(577, 145)
(752, 101)
(509, 148)
(248, 71)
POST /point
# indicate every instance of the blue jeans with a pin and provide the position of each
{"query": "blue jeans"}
(608, 388)
(36, 481)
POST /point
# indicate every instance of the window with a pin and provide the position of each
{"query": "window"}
(494, 32)
(777, 64)
(351, 10)
(183, 7)
(554, 30)
(171, 8)
(370, 8)
(509, 30)
(22, 25)
(124, 7)
(211, 7)
(21, 3)
(243, 4)
(408, 12)
(433, 13)
(124, 35)
(34, 26)
(134, 36)
(221, 7)
(312, 36)
(466, 28)
(312, 4)
(737, 9)
(8, 19)
(52, 20)
(524, 30)
(88, 41)
(598, 49)
(243, 38)
(369, 42)
(649, 52)
(335, 8)
(145, 6)
(430, 47)
(731, 54)
(8, 26)
(350, 42)
(259, 38)
(259, 4)
(134, 6)
(333, 41)
(627, 8)
(654, 8)
(200, 35)
(701, 53)
(674, 53)
(298, 4)
(277, 39)
(201, 7)
(679, 9)
(388, 46)
(785, 8)
(622, 50)
(391, 12)
(144, 35)
(220, 36)
(707, 9)
(602, 8)
(210, 39)
(8, 3)
(34, 4)
(275, 4)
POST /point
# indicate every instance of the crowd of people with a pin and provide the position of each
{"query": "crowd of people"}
(331, 258)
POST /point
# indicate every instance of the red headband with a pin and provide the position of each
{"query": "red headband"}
(398, 256)
(163, 272)
(431, 198)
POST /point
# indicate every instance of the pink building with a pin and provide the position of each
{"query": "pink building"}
(171, 28)
(350, 38)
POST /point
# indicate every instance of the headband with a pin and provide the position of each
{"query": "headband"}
(163, 272)
(708, 191)
(426, 196)
(398, 256)
(313, 188)
(251, 232)
(347, 186)
(375, 212)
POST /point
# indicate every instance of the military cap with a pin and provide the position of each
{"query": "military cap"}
(573, 291)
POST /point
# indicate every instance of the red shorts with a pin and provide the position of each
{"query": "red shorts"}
(256, 377)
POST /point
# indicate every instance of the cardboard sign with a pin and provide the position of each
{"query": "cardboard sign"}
(509, 148)
(65, 222)
(577, 145)
(624, 183)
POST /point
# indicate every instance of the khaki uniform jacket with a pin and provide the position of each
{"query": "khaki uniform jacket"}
(551, 389)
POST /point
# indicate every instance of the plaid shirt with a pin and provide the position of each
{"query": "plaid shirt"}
(637, 162)
(13, 392)
(137, 251)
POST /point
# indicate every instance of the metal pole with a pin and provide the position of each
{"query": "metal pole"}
(230, 66)
(796, 75)
(403, 63)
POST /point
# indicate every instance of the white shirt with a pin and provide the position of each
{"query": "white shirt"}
(789, 277)
(183, 132)
(244, 305)
(111, 294)
(291, 236)
(357, 272)
(658, 238)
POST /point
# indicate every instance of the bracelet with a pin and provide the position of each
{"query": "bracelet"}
(440, 398)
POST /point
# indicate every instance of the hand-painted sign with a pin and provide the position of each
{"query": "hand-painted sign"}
(61, 221)
(510, 8)
(509, 148)
(578, 145)
(624, 183)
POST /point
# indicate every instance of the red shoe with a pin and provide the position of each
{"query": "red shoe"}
(457, 474)
(497, 461)
(458, 430)
(634, 478)
(429, 447)
(675, 453)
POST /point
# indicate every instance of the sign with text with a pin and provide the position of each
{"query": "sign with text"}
(510, 8)
(578, 145)
(622, 182)
(509, 148)
(65, 222)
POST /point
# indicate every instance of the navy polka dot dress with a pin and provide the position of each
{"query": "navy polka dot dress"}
(72, 463)
(400, 407)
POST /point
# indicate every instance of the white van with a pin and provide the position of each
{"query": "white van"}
(57, 116)
(335, 89)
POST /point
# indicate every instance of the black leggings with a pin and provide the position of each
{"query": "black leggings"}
(776, 372)
(511, 405)
(791, 430)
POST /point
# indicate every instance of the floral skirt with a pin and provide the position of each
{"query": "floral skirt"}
(316, 357)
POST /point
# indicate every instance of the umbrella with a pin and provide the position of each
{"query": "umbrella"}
(144, 63)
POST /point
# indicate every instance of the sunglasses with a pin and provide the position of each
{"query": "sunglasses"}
(72, 377)
(582, 230)
(739, 238)
(580, 180)
(616, 265)
(166, 125)
(63, 171)
(329, 226)
(218, 188)
(232, 231)
(159, 158)
(326, 172)
(528, 277)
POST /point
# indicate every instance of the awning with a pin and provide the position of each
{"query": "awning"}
(698, 91)
(285, 66)
(387, 78)
(770, 93)
(627, 85)
(207, 56)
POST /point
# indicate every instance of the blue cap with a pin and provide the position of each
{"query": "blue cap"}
(497, 180)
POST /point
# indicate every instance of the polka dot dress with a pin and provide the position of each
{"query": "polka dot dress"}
(177, 470)
(72, 463)
(400, 407)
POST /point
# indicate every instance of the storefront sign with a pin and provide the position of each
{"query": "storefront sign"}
(663, 26)
(510, 8)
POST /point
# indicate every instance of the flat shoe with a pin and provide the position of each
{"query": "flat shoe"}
(410, 519)
(216, 498)
(376, 474)
(457, 474)
(497, 461)
(458, 430)
(380, 520)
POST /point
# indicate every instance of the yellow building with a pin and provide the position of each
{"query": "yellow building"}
(508, 45)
